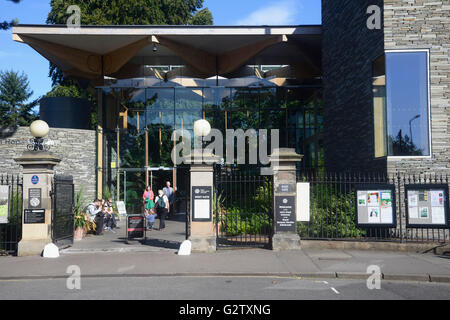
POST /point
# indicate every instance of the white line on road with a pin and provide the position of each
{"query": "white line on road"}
(335, 291)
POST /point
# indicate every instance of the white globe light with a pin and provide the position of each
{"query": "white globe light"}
(39, 129)
(202, 128)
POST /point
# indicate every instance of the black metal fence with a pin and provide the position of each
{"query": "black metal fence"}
(11, 190)
(63, 211)
(243, 209)
(333, 208)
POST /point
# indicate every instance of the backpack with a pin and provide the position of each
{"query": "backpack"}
(161, 203)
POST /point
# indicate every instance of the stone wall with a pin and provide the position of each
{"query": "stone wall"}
(424, 24)
(75, 148)
(349, 48)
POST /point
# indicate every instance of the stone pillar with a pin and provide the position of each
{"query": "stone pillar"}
(37, 205)
(285, 236)
(202, 236)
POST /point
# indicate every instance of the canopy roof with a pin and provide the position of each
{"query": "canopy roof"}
(91, 52)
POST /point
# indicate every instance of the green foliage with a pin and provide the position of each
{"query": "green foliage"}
(5, 25)
(202, 18)
(14, 92)
(332, 214)
(107, 193)
(71, 91)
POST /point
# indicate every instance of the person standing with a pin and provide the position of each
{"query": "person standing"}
(168, 191)
(148, 197)
(162, 208)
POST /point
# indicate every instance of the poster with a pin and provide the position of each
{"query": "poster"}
(423, 213)
(386, 215)
(374, 215)
(438, 215)
(362, 199)
(4, 201)
(373, 198)
(413, 199)
(437, 198)
(413, 212)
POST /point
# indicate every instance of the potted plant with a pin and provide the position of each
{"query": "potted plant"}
(82, 224)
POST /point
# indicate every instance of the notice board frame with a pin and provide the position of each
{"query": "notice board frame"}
(427, 187)
(193, 198)
(376, 187)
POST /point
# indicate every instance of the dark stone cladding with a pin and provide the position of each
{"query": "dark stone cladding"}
(349, 48)
(75, 148)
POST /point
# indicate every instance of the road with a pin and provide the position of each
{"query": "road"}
(218, 288)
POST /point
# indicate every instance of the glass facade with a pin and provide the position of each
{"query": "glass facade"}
(140, 122)
(401, 104)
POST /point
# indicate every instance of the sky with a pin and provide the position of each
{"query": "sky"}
(19, 57)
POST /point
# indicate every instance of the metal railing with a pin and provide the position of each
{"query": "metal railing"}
(10, 213)
(243, 209)
(333, 209)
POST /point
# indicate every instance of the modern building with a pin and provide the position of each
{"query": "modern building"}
(350, 95)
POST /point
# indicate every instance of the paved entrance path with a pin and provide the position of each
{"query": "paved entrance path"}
(167, 240)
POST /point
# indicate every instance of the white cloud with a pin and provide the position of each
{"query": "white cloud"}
(279, 13)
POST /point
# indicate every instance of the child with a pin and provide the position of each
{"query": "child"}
(150, 213)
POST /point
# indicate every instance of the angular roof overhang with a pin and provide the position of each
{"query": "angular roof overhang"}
(91, 52)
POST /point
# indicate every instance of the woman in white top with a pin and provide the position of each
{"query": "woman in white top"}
(162, 208)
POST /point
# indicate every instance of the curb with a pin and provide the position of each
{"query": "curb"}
(320, 275)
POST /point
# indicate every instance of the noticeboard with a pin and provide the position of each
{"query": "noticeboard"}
(201, 203)
(426, 206)
(375, 206)
(4, 204)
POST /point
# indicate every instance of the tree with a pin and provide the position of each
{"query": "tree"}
(5, 25)
(128, 12)
(14, 92)
(202, 18)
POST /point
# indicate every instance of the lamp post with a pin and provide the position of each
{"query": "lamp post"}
(202, 129)
(38, 129)
(410, 128)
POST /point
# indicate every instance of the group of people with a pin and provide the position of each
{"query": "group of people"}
(101, 212)
(158, 207)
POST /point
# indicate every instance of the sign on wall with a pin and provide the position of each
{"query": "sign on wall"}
(34, 216)
(285, 215)
(375, 206)
(34, 198)
(202, 203)
(4, 204)
(427, 206)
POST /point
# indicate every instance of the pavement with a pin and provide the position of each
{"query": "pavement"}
(109, 256)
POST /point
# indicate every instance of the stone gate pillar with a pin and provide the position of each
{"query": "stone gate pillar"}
(283, 162)
(202, 235)
(37, 205)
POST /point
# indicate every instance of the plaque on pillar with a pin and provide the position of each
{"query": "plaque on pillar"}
(34, 216)
(202, 203)
(34, 198)
(285, 214)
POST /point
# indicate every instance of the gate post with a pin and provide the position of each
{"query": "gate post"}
(201, 190)
(285, 236)
(37, 204)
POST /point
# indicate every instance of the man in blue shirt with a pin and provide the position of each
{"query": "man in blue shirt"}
(168, 191)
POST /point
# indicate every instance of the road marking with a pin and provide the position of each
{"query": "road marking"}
(335, 291)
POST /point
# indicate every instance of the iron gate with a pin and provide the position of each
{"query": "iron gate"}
(243, 209)
(62, 211)
(11, 191)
